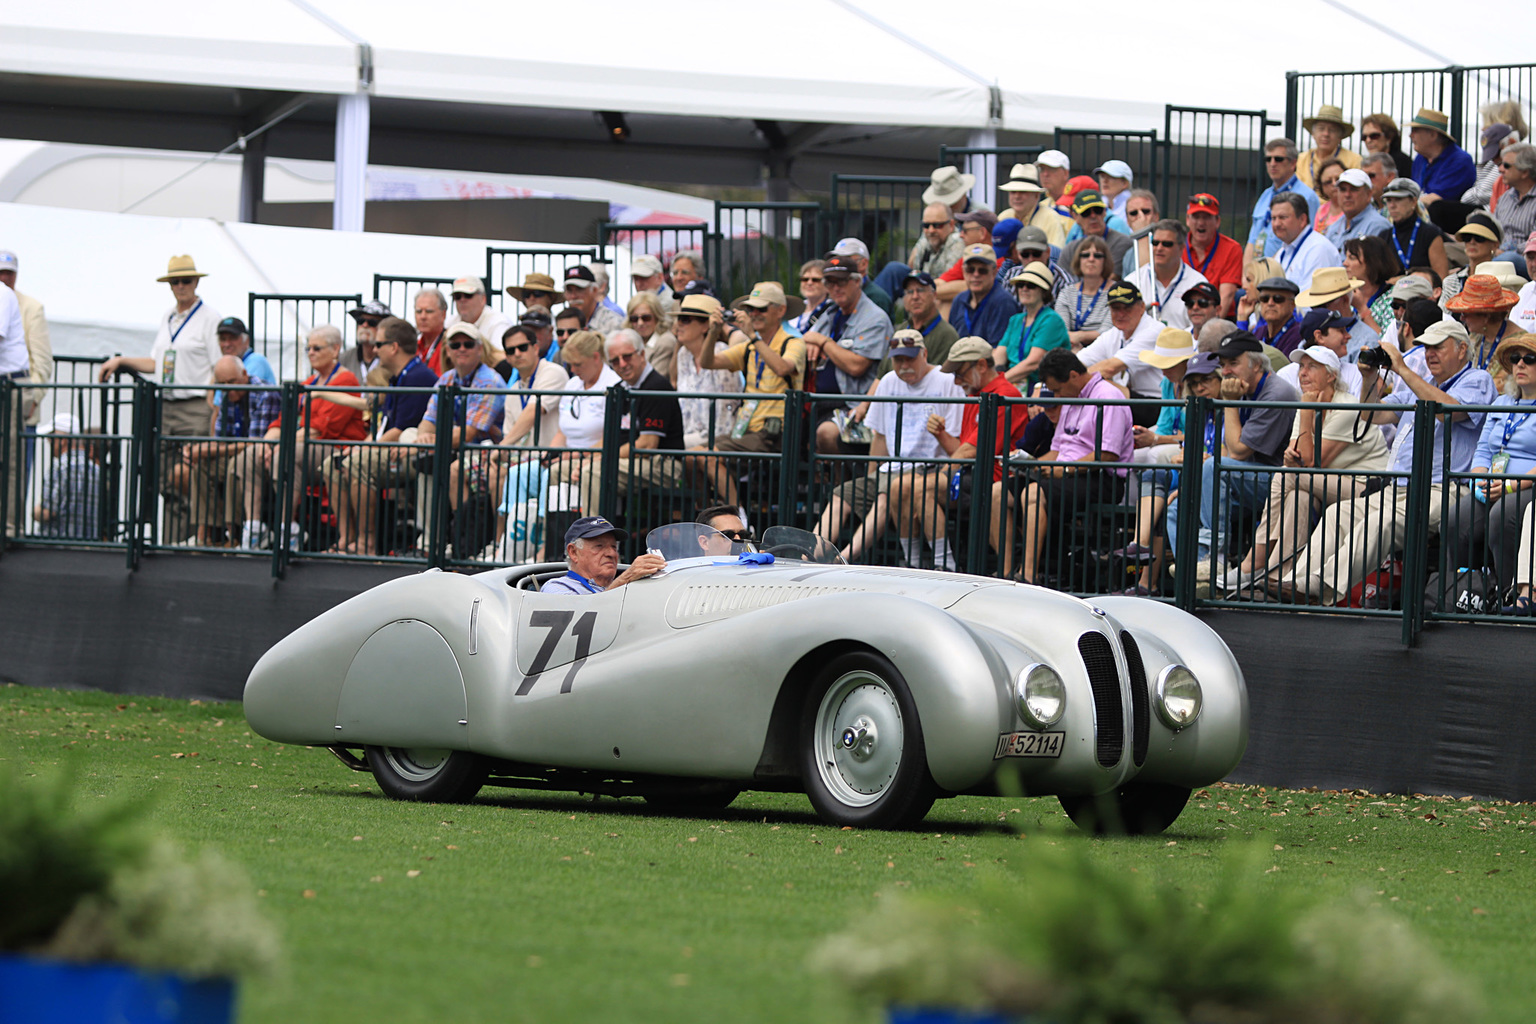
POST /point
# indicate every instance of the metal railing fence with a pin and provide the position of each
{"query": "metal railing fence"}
(279, 325)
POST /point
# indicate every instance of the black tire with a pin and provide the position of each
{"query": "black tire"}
(881, 780)
(436, 776)
(1135, 809)
(691, 800)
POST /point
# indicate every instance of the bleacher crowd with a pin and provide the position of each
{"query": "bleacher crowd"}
(1090, 320)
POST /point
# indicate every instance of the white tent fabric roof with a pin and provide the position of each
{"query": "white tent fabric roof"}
(825, 60)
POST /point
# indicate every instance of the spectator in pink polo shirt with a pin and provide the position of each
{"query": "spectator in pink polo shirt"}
(1084, 434)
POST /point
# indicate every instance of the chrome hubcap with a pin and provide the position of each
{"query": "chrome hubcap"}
(858, 738)
(418, 764)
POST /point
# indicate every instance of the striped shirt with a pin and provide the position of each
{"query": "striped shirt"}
(1516, 214)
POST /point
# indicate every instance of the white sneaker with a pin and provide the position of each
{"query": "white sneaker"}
(1203, 571)
(1236, 579)
(255, 537)
(295, 537)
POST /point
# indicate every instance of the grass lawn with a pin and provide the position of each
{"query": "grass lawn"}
(530, 907)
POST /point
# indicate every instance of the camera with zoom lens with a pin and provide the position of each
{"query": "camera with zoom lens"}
(1374, 358)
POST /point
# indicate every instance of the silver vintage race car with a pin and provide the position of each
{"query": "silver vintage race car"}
(872, 690)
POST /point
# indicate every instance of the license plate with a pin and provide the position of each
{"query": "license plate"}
(1030, 744)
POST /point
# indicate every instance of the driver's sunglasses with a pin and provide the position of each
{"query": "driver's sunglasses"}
(740, 536)
(1201, 303)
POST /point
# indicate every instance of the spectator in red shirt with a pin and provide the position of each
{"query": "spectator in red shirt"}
(1217, 257)
(970, 363)
(325, 417)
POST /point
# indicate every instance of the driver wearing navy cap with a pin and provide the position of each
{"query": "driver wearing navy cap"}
(592, 552)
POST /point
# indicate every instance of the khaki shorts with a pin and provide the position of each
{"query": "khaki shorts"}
(751, 441)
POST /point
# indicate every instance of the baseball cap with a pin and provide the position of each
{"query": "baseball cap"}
(592, 526)
(373, 308)
(1088, 199)
(467, 285)
(463, 327)
(1032, 239)
(698, 305)
(231, 325)
(986, 218)
(1202, 363)
(644, 266)
(765, 294)
(922, 277)
(580, 275)
(1280, 284)
(1236, 343)
(1201, 290)
(1441, 331)
(838, 264)
(851, 247)
(1123, 294)
(1003, 235)
(979, 251)
(1204, 202)
(1411, 287)
(1115, 169)
(698, 286)
(1402, 188)
(538, 316)
(967, 350)
(1327, 356)
(1320, 319)
(1355, 177)
(906, 342)
(8, 260)
(1054, 158)
(1530, 242)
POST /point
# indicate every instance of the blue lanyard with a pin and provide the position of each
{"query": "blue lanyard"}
(1029, 328)
(1295, 248)
(579, 578)
(925, 331)
(1210, 435)
(1079, 318)
(1510, 425)
(1189, 255)
(1487, 357)
(1163, 297)
(1412, 240)
(177, 332)
(1275, 192)
(1243, 414)
(970, 315)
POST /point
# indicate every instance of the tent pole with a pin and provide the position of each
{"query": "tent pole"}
(352, 115)
(253, 176)
(984, 166)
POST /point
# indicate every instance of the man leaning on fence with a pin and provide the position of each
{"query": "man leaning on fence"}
(1344, 548)
(370, 468)
(181, 361)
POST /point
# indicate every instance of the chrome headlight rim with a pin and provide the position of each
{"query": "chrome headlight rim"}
(1173, 678)
(1036, 686)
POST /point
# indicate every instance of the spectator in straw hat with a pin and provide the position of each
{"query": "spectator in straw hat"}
(1441, 167)
(181, 361)
(1332, 288)
(1328, 128)
(1034, 331)
(1515, 209)
(536, 290)
(1481, 237)
(951, 187)
(1354, 193)
(1024, 202)
(1483, 306)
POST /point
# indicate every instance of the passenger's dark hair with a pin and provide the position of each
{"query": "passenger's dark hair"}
(571, 313)
(1434, 275)
(526, 331)
(1420, 313)
(1059, 365)
(1297, 204)
(714, 512)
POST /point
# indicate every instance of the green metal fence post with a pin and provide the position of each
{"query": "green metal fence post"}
(988, 406)
(283, 473)
(1186, 555)
(615, 406)
(791, 444)
(1416, 529)
(442, 459)
(10, 456)
(1458, 92)
(1292, 90)
(141, 457)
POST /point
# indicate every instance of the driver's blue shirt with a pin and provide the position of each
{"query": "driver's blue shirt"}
(572, 582)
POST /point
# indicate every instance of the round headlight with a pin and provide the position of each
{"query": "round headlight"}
(1041, 694)
(1178, 697)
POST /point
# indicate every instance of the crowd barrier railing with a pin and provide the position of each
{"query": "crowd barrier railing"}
(1358, 541)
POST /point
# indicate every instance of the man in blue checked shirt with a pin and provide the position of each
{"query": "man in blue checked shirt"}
(230, 475)
(1280, 163)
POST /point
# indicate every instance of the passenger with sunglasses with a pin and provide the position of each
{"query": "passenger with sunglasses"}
(651, 318)
(726, 519)
(1278, 324)
(1482, 238)
(1380, 134)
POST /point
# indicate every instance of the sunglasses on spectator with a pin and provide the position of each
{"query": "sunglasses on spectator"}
(1273, 298)
(1527, 358)
(368, 323)
(563, 332)
(317, 348)
(463, 344)
(1092, 254)
(979, 268)
(1164, 244)
(1201, 303)
(193, 280)
(462, 295)
(1138, 213)
(1038, 254)
(622, 357)
(1276, 159)
(813, 280)
(513, 350)
(685, 319)
(1507, 165)
(934, 225)
(1371, 136)
(642, 318)
(1399, 304)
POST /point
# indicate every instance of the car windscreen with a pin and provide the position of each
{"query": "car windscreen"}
(692, 540)
(789, 543)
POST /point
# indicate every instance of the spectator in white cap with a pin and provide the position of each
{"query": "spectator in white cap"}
(34, 325)
(471, 307)
(1024, 202)
(1055, 171)
(582, 293)
(648, 275)
(952, 187)
(859, 253)
(1359, 218)
(1115, 178)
